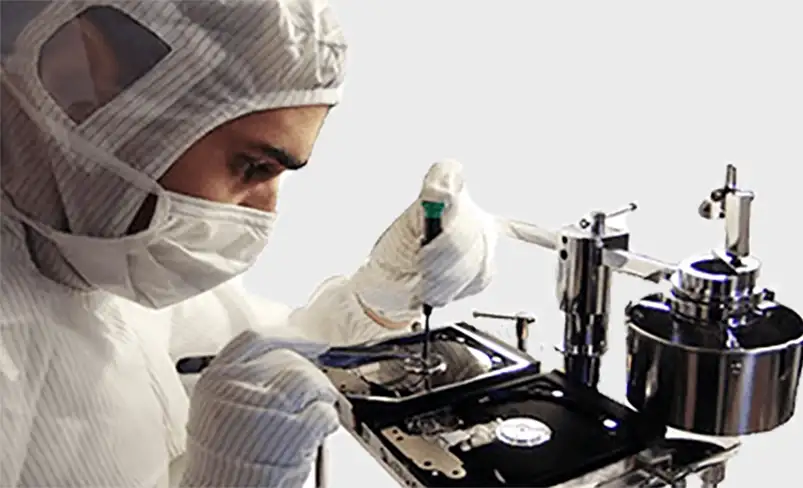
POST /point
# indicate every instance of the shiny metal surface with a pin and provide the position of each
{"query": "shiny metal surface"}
(734, 205)
(717, 356)
(738, 205)
(644, 267)
(710, 378)
(630, 207)
(425, 452)
(583, 293)
(620, 261)
(523, 321)
(710, 289)
(523, 432)
(458, 363)
(466, 357)
(669, 464)
(588, 253)
(708, 278)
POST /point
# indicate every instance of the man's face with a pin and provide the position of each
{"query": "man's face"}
(241, 162)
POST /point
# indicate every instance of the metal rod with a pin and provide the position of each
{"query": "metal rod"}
(630, 207)
(498, 316)
(598, 223)
(588, 256)
(730, 177)
(584, 288)
(522, 231)
(522, 320)
(636, 265)
(624, 262)
(321, 465)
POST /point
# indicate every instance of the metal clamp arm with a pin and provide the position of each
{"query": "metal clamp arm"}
(620, 261)
(734, 205)
(637, 265)
(530, 233)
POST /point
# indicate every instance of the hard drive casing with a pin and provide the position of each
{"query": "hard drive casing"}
(490, 419)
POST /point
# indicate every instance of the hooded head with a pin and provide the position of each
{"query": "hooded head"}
(107, 103)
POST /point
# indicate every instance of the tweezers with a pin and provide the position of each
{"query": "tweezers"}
(336, 357)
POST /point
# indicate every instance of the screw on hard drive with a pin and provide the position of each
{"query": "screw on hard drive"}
(522, 320)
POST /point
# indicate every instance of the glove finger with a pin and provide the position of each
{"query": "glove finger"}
(488, 270)
(441, 285)
(251, 345)
(384, 289)
(443, 182)
(314, 424)
(262, 435)
(286, 396)
(300, 381)
(280, 379)
(480, 282)
(208, 469)
(450, 263)
(398, 244)
(400, 240)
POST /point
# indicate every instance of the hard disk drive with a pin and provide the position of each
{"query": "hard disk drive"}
(481, 414)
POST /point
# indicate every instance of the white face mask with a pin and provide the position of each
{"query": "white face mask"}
(192, 246)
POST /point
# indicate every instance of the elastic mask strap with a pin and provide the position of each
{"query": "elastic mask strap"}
(78, 144)
(127, 241)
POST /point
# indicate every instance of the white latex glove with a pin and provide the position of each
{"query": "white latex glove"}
(258, 414)
(335, 316)
(400, 275)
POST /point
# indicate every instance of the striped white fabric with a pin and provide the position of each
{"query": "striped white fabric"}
(455, 265)
(271, 409)
(226, 59)
(258, 415)
(88, 391)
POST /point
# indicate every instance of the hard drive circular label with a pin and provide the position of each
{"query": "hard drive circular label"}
(523, 432)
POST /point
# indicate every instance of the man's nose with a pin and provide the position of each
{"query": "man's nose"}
(263, 197)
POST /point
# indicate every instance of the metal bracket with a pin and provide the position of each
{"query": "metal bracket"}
(523, 322)
(734, 206)
(426, 454)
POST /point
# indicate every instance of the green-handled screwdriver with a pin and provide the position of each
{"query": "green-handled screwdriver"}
(433, 211)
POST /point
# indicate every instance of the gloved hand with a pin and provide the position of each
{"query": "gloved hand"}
(400, 275)
(258, 414)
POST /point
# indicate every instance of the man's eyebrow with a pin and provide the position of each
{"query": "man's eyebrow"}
(284, 158)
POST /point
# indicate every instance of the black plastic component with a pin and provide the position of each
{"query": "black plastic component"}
(582, 441)
(380, 414)
(432, 229)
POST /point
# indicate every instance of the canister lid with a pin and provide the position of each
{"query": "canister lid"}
(710, 278)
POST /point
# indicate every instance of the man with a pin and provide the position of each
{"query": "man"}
(143, 146)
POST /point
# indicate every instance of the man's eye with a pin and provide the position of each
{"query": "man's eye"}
(255, 171)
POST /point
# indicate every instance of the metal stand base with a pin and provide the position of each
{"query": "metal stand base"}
(670, 465)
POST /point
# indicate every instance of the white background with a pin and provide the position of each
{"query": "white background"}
(556, 109)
